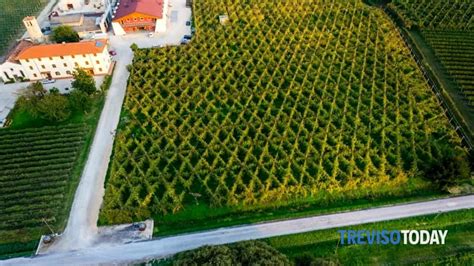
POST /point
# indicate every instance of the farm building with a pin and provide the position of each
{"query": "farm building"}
(10, 70)
(139, 15)
(50, 61)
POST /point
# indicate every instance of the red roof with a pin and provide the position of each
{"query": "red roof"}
(20, 47)
(63, 49)
(153, 8)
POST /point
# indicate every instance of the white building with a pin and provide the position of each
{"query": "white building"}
(52, 61)
(10, 69)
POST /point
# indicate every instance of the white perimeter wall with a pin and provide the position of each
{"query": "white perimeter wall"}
(162, 23)
(118, 30)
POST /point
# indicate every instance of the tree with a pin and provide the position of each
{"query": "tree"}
(31, 97)
(79, 101)
(83, 81)
(451, 167)
(64, 34)
(244, 253)
(54, 107)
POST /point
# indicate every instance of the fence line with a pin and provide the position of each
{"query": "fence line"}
(465, 138)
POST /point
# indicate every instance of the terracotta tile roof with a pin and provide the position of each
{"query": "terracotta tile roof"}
(19, 47)
(153, 8)
(63, 49)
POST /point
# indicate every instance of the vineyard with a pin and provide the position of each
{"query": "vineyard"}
(436, 14)
(11, 16)
(287, 101)
(455, 50)
(36, 165)
(448, 29)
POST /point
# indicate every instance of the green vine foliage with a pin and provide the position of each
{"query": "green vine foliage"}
(436, 14)
(288, 100)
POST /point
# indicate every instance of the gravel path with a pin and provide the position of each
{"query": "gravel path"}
(81, 229)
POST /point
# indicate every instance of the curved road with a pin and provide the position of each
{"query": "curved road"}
(143, 251)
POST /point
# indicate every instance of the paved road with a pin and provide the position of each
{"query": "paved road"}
(143, 251)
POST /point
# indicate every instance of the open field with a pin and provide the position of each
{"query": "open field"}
(11, 16)
(323, 246)
(288, 102)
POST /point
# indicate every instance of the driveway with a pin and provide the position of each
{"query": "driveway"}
(81, 229)
(147, 250)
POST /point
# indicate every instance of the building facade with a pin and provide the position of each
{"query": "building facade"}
(54, 61)
(140, 15)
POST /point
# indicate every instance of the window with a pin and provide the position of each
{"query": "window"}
(34, 75)
(31, 67)
(51, 58)
(58, 73)
(39, 59)
(68, 72)
(87, 63)
(27, 60)
(141, 19)
(76, 64)
(43, 67)
(65, 65)
(97, 62)
(62, 57)
(73, 56)
(95, 54)
(84, 55)
(54, 66)
(100, 69)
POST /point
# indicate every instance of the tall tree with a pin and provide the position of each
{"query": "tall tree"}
(54, 107)
(79, 100)
(30, 98)
(64, 34)
(83, 81)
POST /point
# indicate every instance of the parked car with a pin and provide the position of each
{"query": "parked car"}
(46, 29)
(188, 23)
(48, 81)
(187, 37)
(112, 52)
(185, 41)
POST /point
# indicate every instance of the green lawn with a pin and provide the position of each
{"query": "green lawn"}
(324, 245)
